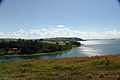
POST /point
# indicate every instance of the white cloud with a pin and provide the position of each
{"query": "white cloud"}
(60, 26)
(59, 31)
(2, 34)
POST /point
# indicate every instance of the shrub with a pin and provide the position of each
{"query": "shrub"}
(101, 61)
(64, 67)
(57, 67)
(23, 70)
(26, 64)
(69, 67)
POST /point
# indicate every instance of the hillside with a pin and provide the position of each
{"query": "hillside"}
(76, 68)
(35, 47)
(64, 39)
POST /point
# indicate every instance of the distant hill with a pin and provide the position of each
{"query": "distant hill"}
(8, 39)
(64, 39)
(48, 39)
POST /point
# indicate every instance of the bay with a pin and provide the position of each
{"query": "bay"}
(89, 48)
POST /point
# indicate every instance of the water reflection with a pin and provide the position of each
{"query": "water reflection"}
(88, 51)
(90, 48)
(97, 42)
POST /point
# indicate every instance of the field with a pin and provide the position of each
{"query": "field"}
(76, 68)
(50, 42)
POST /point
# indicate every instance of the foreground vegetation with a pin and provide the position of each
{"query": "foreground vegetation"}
(76, 68)
(28, 47)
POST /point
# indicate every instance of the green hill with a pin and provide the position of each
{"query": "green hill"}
(64, 39)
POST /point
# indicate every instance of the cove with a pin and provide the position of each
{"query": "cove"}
(90, 48)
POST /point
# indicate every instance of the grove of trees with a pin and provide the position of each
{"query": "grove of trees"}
(22, 46)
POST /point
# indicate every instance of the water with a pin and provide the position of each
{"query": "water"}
(90, 48)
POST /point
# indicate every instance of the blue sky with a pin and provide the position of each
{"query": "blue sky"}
(87, 17)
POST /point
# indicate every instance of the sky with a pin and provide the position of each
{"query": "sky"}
(87, 19)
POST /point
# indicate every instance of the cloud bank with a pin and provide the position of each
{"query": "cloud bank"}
(59, 31)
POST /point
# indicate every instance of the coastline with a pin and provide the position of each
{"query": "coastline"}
(39, 54)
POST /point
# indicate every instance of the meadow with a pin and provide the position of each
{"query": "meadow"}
(75, 68)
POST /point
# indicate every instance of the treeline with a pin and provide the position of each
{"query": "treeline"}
(64, 39)
(22, 46)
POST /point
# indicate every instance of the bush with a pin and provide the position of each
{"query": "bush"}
(26, 64)
(65, 67)
(70, 67)
(101, 61)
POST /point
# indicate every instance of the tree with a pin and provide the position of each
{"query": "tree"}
(40, 39)
(57, 43)
(6, 50)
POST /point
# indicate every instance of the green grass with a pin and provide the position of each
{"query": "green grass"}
(76, 68)
(10, 51)
(101, 61)
(1, 51)
(50, 42)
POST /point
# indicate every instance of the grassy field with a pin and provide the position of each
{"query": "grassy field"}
(50, 42)
(76, 68)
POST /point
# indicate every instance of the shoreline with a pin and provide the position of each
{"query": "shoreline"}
(117, 56)
(38, 54)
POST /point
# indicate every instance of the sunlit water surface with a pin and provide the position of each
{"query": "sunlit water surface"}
(90, 48)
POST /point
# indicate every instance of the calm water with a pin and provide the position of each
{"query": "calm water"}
(90, 48)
